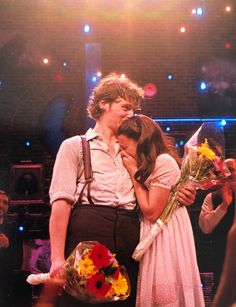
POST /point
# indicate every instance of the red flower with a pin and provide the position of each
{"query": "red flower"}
(97, 286)
(101, 256)
(116, 274)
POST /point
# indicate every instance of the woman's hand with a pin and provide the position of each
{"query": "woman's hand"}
(129, 162)
(186, 195)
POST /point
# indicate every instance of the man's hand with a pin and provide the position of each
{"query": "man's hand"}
(186, 195)
(4, 241)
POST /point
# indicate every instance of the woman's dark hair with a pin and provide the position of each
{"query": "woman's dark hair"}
(151, 142)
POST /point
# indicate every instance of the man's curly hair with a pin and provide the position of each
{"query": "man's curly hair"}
(110, 88)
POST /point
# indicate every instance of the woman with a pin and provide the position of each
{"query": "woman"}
(168, 274)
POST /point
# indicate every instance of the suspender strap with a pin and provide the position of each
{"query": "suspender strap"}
(88, 174)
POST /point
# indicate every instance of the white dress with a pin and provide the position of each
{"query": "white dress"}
(168, 272)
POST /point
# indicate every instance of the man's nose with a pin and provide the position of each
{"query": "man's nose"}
(130, 113)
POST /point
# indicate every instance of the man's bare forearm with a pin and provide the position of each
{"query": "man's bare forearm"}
(58, 227)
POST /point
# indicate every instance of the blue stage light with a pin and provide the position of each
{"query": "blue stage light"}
(203, 86)
(168, 129)
(21, 228)
(94, 79)
(223, 122)
(199, 11)
(170, 77)
(64, 64)
(1, 84)
(27, 143)
(86, 28)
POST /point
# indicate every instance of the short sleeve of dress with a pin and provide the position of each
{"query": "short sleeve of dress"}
(166, 172)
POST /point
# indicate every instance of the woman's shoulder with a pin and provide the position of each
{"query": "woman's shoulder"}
(166, 159)
(166, 171)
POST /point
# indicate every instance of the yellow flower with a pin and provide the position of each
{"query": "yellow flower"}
(120, 285)
(205, 151)
(86, 267)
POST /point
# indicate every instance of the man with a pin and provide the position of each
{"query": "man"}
(111, 218)
(10, 254)
(225, 294)
(216, 218)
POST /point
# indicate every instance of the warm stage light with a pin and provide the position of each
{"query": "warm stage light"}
(99, 74)
(150, 89)
(122, 76)
(45, 60)
(182, 29)
(58, 76)
(227, 45)
(228, 9)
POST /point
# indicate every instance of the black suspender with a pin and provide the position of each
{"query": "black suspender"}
(88, 173)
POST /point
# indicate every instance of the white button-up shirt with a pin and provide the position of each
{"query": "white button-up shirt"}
(111, 185)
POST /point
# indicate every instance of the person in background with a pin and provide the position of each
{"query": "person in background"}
(107, 211)
(4, 201)
(226, 294)
(168, 273)
(216, 218)
(10, 255)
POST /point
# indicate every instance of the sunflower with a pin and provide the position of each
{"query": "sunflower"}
(205, 151)
(120, 286)
(86, 267)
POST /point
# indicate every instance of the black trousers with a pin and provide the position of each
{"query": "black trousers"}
(117, 229)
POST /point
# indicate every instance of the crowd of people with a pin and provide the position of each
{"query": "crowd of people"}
(134, 165)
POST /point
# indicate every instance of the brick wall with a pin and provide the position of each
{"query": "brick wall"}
(143, 42)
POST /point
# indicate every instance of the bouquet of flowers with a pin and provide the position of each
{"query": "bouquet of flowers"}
(202, 166)
(92, 274)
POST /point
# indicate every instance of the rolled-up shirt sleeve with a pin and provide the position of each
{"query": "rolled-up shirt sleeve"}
(209, 218)
(65, 171)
